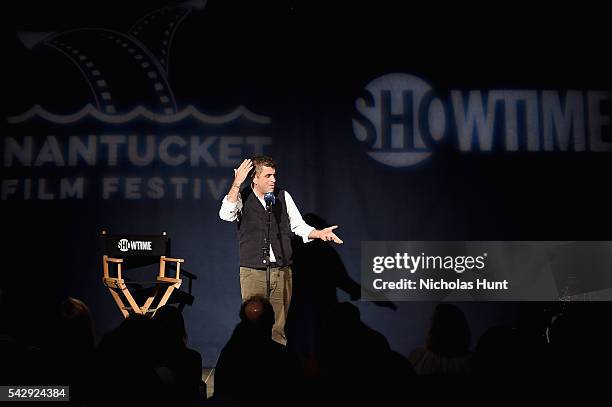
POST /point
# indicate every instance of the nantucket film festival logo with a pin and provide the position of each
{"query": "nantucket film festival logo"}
(118, 132)
(400, 118)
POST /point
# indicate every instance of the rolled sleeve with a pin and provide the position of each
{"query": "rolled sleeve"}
(229, 210)
(298, 225)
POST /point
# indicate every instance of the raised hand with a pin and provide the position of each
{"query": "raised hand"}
(241, 173)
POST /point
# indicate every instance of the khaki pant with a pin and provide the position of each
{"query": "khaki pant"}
(253, 282)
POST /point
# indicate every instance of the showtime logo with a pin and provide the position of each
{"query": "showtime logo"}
(400, 118)
(124, 245)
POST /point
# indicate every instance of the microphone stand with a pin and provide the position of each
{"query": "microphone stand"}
(266, 250)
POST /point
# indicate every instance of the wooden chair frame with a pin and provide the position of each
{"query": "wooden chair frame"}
(119, 290)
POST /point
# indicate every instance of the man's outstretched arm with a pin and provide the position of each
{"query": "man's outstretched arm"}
(326, 235)
(301, 228)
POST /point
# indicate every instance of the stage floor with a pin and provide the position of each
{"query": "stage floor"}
(208, 377)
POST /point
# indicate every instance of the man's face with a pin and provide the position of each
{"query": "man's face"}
(265, 180)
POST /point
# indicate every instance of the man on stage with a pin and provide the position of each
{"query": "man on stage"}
(248, 208)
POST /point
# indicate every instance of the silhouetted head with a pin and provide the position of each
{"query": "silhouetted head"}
(76, 330)
(135, 332)
(170, 325)
(498, 352)
(449, 334)
(257, 313)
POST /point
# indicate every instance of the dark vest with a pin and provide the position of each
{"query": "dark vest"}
(252, 229)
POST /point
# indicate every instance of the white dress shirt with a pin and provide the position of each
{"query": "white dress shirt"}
(229, 212)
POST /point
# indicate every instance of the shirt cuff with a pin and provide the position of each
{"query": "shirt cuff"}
(228, 209)
(305, 238)
(229, 204)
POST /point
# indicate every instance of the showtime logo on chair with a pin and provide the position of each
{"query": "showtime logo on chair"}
(400, 119)
(125, 245)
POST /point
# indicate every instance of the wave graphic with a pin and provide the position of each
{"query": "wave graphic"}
(140, 111)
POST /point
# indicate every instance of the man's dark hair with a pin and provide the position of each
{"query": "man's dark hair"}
(259, 162)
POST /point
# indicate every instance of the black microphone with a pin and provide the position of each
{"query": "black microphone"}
(270, 199)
